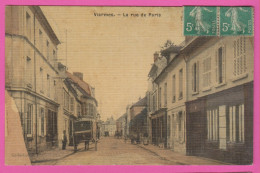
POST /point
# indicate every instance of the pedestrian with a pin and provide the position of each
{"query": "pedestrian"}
(64, 140)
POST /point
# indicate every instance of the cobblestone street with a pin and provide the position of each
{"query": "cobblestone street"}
(112, 151)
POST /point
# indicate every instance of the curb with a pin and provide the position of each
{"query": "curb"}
(162, 158)
(182, 163)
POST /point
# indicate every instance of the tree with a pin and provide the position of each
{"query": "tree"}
(167, 44)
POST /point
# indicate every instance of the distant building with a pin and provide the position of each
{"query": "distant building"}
(137, 107)
(128, 118)
(121, 125)
(83, 104)
(109, 126)
(138, 122)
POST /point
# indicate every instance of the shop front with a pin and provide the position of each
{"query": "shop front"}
(159, 127)
(220, 125)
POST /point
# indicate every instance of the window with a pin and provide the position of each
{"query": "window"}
(165, 95)
(180, 126)
(173, 88)
(54, 54)
(78, 110)
(40, 40)
(149, 101)
(195, 77)
(236, 123)
(86, 109)
(42, 129)
(28, 26)
(154, 102)
(91, 110)
(29, 120)
(29, 71)
(206, 76)
(48, 85)
(71, 104)
(55, 89)
(180, 84)
(47, 49)
(66, 100)
(42, 79)
(169, 126)
(239, 56)
(220, 65)
(160, 95)
(173, 124)
(213, 124)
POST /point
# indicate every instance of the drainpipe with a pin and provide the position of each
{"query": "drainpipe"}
(36, 110)
(185, 126)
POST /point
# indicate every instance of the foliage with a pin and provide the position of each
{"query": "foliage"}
(167, 44)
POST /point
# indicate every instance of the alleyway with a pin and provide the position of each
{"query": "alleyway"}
(113, 151)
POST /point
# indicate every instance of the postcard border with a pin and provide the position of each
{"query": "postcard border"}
(255, 168)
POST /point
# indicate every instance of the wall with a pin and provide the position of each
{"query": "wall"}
(209, 50)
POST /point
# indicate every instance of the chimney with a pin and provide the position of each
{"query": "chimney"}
(79, 75)
(155, 56)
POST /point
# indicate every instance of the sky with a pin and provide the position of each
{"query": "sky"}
(114, 53)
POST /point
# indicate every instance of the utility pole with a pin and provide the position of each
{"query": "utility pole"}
(66, 49)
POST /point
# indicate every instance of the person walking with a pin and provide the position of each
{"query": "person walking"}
(64, 140)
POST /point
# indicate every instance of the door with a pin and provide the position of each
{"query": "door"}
(51, 128)
(197, 133)
(70, 132)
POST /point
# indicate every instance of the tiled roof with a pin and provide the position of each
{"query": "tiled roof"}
(141, 102)
(172, 49)
(82, 84)
(122, 117)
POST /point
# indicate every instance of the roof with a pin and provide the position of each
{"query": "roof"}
(69, 86)
(82, 84)
(141, 115)
(141, 102)
(195, 42)
(122, 117)
(171, 49)
(153, 69)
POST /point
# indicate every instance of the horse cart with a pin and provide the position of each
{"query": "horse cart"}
(84, 132)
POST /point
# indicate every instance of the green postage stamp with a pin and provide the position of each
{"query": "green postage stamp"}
(218, 21)
(200, 20)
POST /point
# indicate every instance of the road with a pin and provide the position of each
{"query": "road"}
(113, 151)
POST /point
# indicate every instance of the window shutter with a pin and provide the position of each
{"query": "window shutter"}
(197, 76)
(45, 123)
(224, 63)
(216, 66)
(192, 77)
(39, 124)
(209, 73)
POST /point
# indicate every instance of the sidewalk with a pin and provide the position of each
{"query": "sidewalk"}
(54, 155)
(179, 158)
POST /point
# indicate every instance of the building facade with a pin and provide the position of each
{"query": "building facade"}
(171, 98)
(121, 125)
(220, 98)
(31, 61)
(83, 104)
(138, 122)
(109, 126)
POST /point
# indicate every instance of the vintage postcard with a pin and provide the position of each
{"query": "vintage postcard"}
(129, 85)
